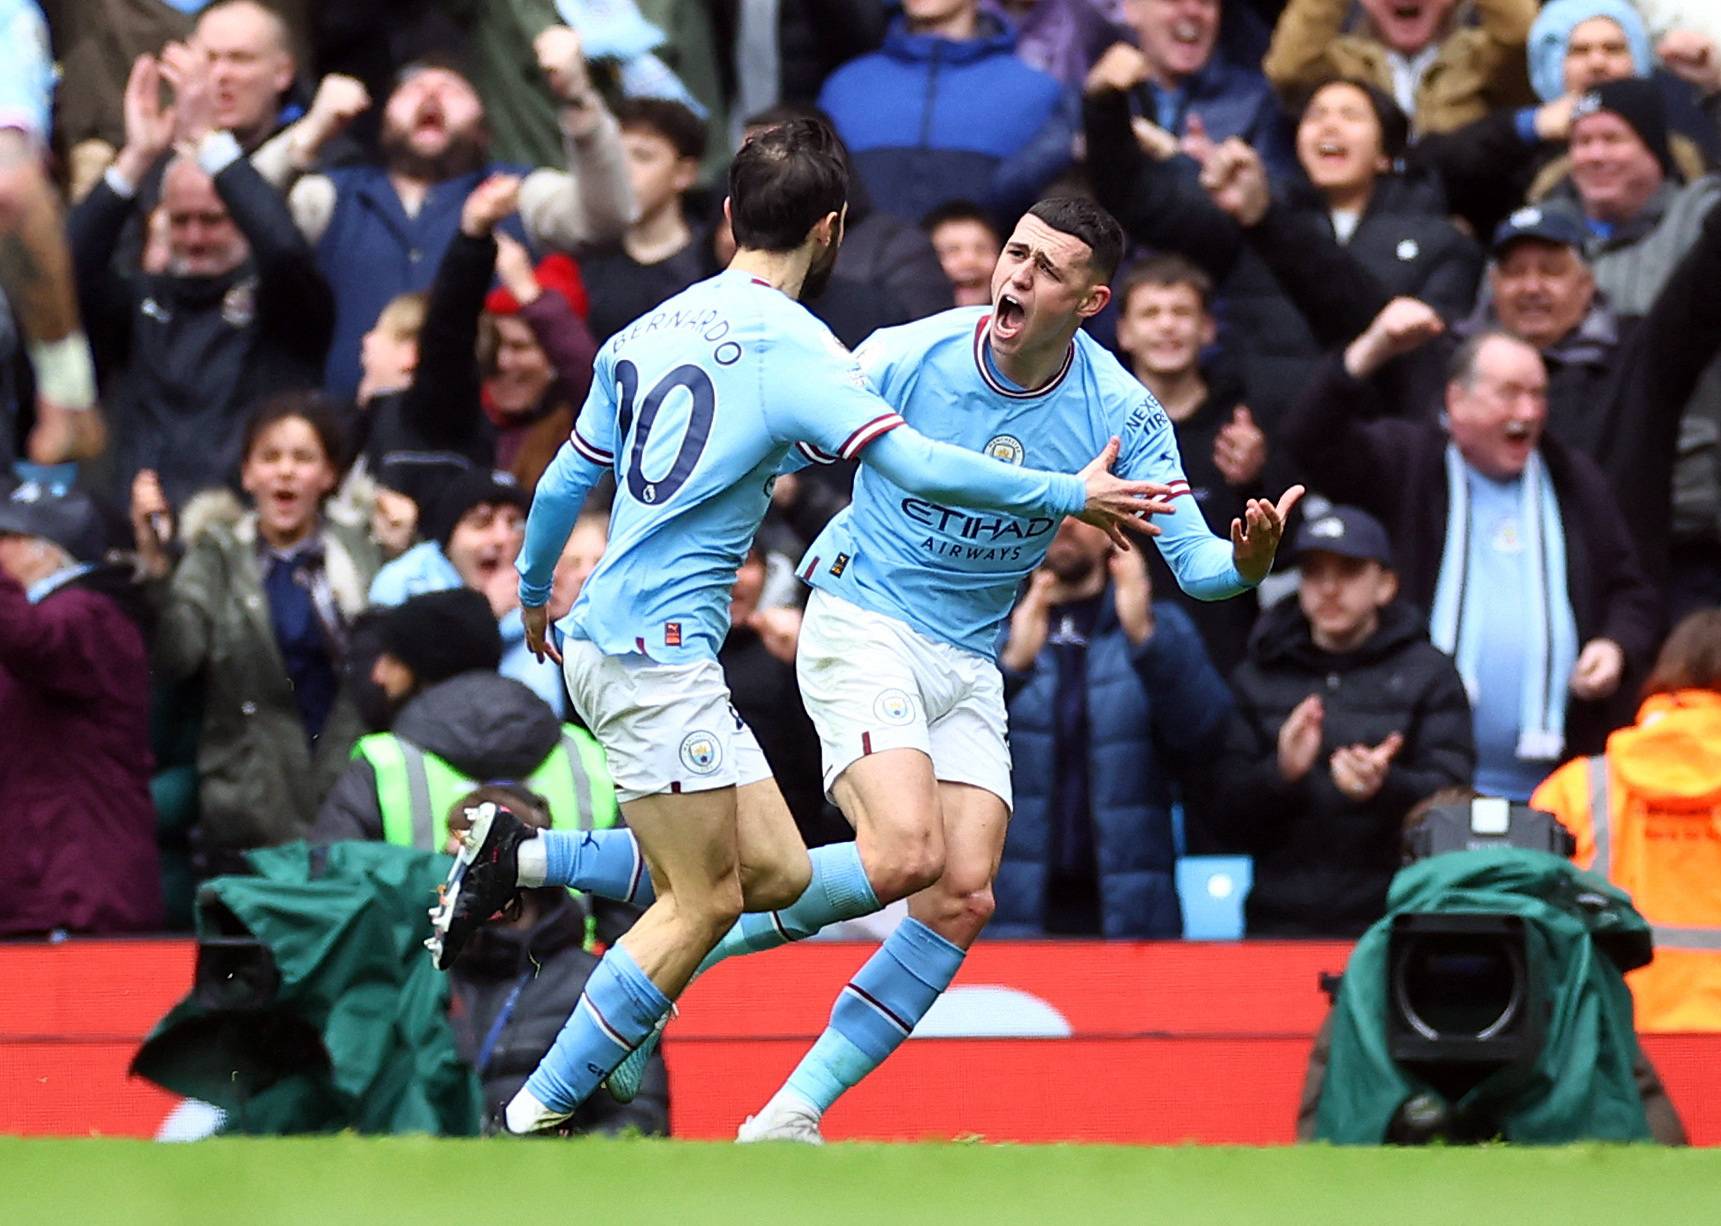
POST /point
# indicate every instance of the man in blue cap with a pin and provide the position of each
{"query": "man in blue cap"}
(1346, 716)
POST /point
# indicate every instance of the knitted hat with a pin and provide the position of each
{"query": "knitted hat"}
(474, 488)
(1640, 104)
(442, 634)
(557, 274)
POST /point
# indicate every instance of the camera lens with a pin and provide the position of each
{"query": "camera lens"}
(1451, 986)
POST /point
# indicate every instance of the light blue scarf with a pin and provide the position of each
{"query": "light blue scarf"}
(616, 30)
(1550, 632)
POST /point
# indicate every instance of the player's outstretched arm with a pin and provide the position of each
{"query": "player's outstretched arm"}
(556, 505)
(943, 473)
(1209, 567)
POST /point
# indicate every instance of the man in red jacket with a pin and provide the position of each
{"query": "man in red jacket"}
(74, 718)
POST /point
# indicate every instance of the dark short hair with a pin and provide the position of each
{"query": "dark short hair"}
(666, 118)
(1394, 123)
(314, 408)
(1081, 218)
(959, 210)
(783, 181)
(1165, 270)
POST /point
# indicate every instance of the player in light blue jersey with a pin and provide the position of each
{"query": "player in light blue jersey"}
(695, 408)
(897, 652)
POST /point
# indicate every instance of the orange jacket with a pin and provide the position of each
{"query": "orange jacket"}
(1661, 842)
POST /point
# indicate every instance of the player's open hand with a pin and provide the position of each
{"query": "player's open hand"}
(538, 633)
(1114, 502)
(1255, 537)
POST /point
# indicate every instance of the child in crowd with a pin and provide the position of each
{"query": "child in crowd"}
(256, 612)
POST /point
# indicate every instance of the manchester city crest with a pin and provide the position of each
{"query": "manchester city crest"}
(1005, 447)
(701, 753)
(893, 707)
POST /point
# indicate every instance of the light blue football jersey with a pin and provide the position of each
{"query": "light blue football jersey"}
(951, 573)
(694, 407)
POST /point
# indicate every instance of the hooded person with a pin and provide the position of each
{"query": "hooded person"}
(447, 720)
(74, 717)
(1647, 816)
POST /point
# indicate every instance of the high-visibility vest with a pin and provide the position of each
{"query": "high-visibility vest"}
(415, 789)
(1674, 886)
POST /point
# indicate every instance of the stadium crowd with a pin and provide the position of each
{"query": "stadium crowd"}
(343, 270)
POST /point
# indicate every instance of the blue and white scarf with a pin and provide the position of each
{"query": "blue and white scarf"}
(1549, 630)
(616, 30)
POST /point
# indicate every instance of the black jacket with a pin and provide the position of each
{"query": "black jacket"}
(419, 438)
(193, 356)
(1403, 239)
(551, 967)
(1323, 861)
(1396, 469)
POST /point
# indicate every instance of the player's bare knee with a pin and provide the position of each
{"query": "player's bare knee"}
(958, 916)
(706, 914)
(776, 884)
(902, 870)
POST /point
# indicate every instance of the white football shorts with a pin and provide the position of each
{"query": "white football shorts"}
(872, 682)
(664, 727)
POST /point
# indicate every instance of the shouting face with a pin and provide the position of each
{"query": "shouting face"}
(1339, 140)
(485, 543)
(1044, 285)
(250, 67)
(1496, 413)
(433, 124)
(288, 474)
(1176, 36)
(1408, 26)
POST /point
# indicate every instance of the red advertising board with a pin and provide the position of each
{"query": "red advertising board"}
(1037, 1041)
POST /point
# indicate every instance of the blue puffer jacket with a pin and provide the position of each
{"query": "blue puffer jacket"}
(931, 119)
(1163, 695)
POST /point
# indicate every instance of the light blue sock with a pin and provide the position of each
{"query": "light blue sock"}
(876, 1011)
(607, 863)
(839, 890)
(619, 1007)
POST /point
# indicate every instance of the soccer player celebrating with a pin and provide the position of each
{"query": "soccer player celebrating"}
(897, 652)
(695, 407)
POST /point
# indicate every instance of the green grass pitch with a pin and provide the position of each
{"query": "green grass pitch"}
(338, 1180)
